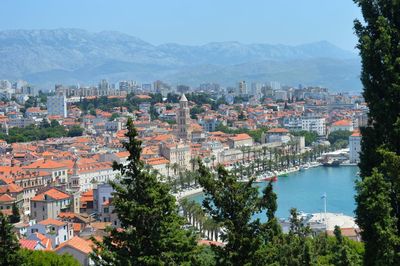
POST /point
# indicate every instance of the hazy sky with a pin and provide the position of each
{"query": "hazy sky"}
(193, 21)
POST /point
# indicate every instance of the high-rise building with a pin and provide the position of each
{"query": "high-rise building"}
(57, 105)
(242, 88)
(183, 119)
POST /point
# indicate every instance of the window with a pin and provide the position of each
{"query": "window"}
(65, 238)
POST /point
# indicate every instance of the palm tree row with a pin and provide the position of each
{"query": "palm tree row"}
(195, 215)
(264, 159)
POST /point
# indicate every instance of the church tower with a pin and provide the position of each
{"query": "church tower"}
(183, 120)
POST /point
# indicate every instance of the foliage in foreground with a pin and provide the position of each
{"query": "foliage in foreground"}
(152, 231)
(251, 242)
(378, 190)
(12, 254)
(46, 258)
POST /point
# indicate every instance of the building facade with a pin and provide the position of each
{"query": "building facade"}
(57, 105)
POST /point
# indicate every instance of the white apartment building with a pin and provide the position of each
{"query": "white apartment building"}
(58, 231)
(355, 147)
(313, 124)
(57, 105)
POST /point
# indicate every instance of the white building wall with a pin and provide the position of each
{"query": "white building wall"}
(355, 149)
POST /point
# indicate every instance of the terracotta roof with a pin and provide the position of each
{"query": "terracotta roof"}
(239, 137)
(46, 242)
(278, 130)
(210, 243)
(122, 154)
(344, 122)
(68, 215)
(77, 243)
(51, 221)
(143, 97)
(77, 227)
(44, 164)
(6, 198)
(157, 161)
(52, 193)
(100, 225)
(28, 244)
(13, 188)
(356, 133)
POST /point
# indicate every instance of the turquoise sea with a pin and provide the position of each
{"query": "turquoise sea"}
(303, 190)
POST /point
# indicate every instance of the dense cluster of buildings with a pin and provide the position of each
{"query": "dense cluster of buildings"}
(61, 185)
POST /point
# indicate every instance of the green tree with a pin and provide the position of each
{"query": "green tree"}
(75, 131)
(152, 233)
(9, 245)
(46, 258)
(233, 204)
(343, 255)
(15, 217)
(339, 135)
(378, 200)
(309, 137)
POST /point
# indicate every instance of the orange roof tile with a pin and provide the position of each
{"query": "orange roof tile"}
(13, 188)
(44, 164)
(46, 242)
(79, 244)
(278, 130)
(239, 137)
(52, 193)
(356, 133)
(77, 227)
(51, 221)
(28, 244)
(343, 122)
(6, 198)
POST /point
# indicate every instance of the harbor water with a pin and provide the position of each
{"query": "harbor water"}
(304, 190)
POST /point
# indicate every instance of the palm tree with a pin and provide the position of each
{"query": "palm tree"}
(213, 158)
(193, 162)
(184, 203)
(175, 167)
(168, 166)
(243, 150)
(207, 227)
(207, 161)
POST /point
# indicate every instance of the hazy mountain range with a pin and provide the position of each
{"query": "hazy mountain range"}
(70, 56)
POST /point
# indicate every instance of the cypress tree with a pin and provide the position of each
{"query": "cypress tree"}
(378, 191)
(15, 217)
(151, 232)
(9, 245)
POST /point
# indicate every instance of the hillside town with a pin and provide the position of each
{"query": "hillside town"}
(58, 148)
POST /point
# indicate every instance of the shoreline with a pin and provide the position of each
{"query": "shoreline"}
(188, 193)
(193, 192)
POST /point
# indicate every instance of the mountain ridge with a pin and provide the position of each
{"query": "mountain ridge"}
(46, 57)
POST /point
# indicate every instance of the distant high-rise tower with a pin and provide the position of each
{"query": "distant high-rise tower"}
(183, 119)
(57, 105)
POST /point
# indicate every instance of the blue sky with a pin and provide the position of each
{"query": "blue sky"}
(193, 21)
